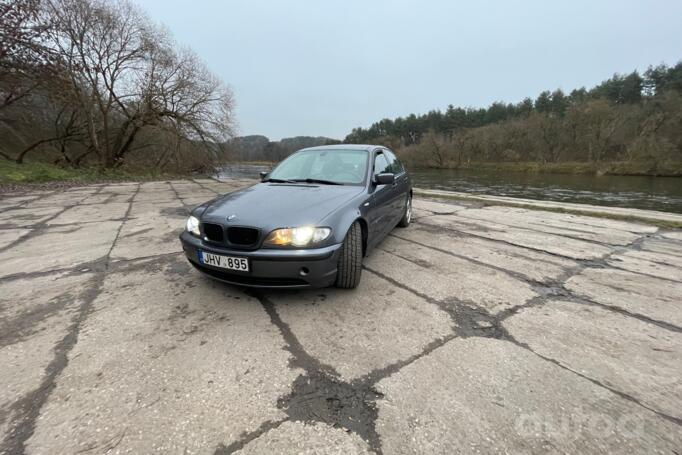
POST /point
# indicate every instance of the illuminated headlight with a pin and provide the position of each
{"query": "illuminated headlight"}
(193, 225)
(300, 236)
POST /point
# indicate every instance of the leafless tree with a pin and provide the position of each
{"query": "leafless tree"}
(434, 144)
(125, 74)
(25, 59)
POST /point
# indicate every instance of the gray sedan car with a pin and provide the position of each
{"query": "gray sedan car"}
(308, 223)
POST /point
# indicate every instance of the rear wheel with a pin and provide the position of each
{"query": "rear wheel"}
(407, 215)
(349, 268)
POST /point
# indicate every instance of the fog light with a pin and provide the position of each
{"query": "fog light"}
(304, 271)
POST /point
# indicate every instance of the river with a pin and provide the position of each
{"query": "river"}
(653, 193)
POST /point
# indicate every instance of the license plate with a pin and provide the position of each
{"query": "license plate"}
(224, 262)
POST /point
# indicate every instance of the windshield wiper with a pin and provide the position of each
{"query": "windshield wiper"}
(280, 180)
(323, 182)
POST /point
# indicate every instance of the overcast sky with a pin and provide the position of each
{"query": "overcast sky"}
(324, 67)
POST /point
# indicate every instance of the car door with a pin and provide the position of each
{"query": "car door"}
(379, 205)
(401, 186)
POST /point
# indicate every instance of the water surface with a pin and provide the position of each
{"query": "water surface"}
(653, 193)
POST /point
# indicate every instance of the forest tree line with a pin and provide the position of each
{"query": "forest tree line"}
(95, 82)
(634, 120)
(259, 148)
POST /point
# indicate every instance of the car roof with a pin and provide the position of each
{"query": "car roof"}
(367, 147)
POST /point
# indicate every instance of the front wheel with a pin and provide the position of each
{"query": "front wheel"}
(349, 268)
(407, 215)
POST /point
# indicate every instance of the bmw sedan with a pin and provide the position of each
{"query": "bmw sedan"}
(308, 223)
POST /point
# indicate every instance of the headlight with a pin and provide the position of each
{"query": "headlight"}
(193, 225)
(300, 236)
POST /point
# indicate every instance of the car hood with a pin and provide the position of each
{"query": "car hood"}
(269, 205)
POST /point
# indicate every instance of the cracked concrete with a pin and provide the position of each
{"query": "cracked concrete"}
(479, 328)
(442, 276)
(381, 324)
(648, 367)
(649, 296)
(9, 236)
(296, 437)
(481, 395)
(163, 359)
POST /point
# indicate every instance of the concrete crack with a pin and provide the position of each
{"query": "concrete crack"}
(530, 229)
(95, 266)
(613, 390)
(188, 209)
(505, 242)
(26, 410)
(247, 437)
(319, 395)
(473, 321)
(126, 217)
(207, 187)
(554, 288)
(39, 227)
(512, 273)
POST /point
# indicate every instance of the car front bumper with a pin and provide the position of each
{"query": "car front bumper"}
(269, 268)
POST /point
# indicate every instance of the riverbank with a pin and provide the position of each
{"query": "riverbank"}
(37, 176)
(617, 168)
(659, 219)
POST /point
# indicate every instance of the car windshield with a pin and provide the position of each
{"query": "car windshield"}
(323, 166)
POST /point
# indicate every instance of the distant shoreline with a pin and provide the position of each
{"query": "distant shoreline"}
(634, 169)
(619, 168)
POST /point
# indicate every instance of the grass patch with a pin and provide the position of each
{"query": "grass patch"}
(41, 172)
(664, 224)
(36, 172)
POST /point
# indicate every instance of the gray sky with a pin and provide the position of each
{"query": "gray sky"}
(324, 67)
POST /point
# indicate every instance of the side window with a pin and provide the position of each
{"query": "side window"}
(395, 166)
(380, 164)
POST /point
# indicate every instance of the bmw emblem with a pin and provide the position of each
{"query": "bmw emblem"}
(231, 217)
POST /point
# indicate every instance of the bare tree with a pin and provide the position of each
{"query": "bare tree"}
(25, 60)
(186, 99)
(547, 130)
(435, 148)
(600, 125)
(125, 75)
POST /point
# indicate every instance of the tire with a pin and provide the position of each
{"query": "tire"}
(407, 215)
(349, 269)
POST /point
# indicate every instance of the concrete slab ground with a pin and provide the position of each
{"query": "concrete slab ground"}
(479, 328)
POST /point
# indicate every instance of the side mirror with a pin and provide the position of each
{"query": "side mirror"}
(384, 179)
(263, 175)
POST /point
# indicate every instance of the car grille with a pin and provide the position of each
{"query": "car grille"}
(242, 236)
(214, 232)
